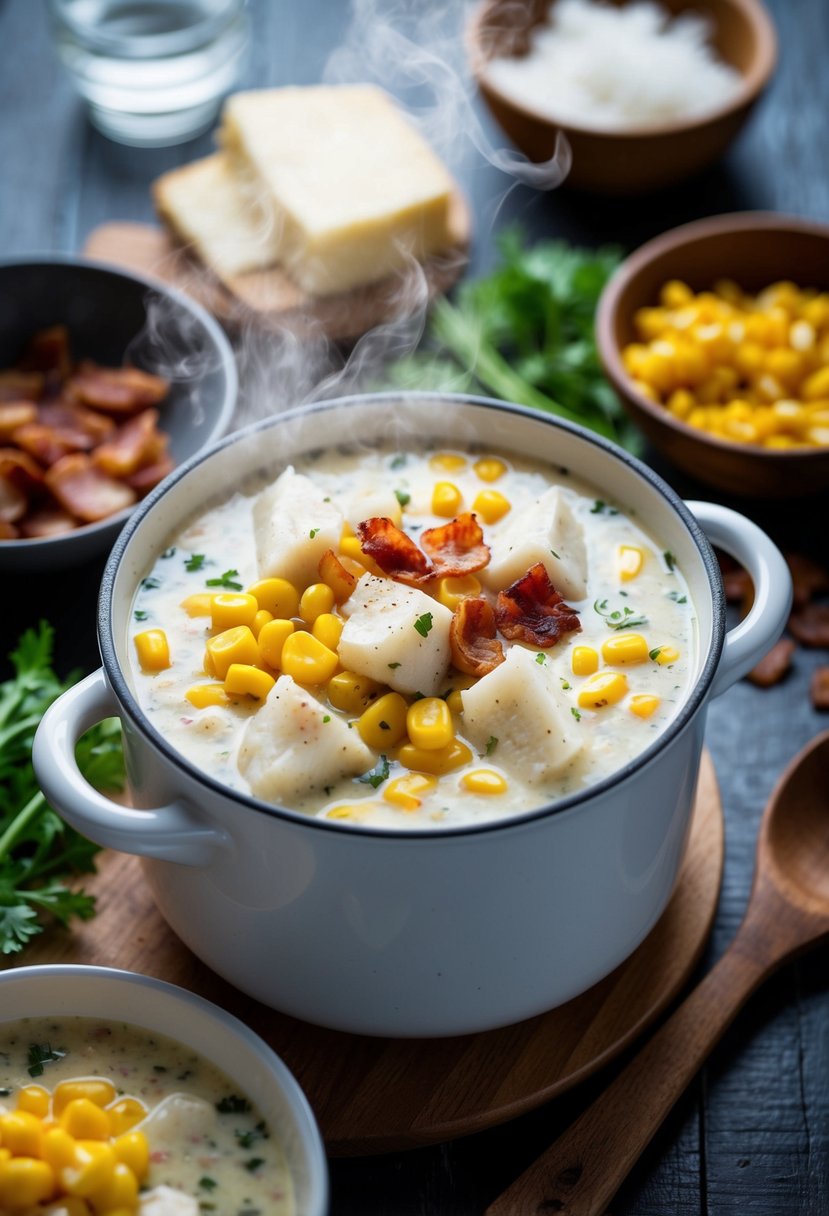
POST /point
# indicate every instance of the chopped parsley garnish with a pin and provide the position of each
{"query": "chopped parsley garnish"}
(195, 562)
(326, 718)
(677, 598)
(171, 552)
(575, 713)
(402, 497)
(228, 579)
(555, 555)
(624, 618)
(151, 583)
(384, 726)
(40, 1054)
(5, 1092)
(393, 666)
(254, 1163)
(540, 658)
(655, 653)
(670, 560)
(398, 462)
(424, 623)
(565, 684)
(313, 533)
(599, 507)
(233, 1105)
(140, 614)
(249, 1138)
(159, 1068)
(377, 775)
(491, 744)
(207, 1184)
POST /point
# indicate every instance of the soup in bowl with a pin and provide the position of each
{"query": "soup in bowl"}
(413, 692)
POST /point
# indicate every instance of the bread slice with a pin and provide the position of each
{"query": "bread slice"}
(346, 189)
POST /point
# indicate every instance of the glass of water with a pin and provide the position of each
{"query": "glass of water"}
(154, 72)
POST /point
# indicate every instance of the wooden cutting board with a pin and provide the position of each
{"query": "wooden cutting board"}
(380, 1095)
(268, 299)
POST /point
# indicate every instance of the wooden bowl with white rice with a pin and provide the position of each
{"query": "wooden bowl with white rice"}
(645, 92)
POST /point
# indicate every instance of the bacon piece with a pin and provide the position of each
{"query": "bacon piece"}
(475, 649)
(48, 351)
(135, 444)
(809, 578)
(147, 478)
(19, 468)
(49, 520)
(395, 553)
(116, 390)
(532, 611)
(85, 428)
(810, 625)
(20, 386)
(819, 688)
(14, 414)
(13, 502)
(85, 491)
(334, 573)
(456, 548)
(774, 665)
(7, 530)
(45, 443)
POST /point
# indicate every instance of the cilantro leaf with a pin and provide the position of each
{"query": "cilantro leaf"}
(377, 775)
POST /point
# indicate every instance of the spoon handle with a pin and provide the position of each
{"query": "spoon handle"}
(584, 1168)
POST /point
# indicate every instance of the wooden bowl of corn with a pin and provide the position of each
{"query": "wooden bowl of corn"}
(716, 337)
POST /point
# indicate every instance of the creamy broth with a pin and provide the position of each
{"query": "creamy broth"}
(590, 743)
(206, 1140)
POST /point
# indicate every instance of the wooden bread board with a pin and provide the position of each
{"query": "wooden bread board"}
(380, 1095)
(268, 299)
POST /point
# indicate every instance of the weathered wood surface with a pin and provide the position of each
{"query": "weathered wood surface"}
(753, 1131)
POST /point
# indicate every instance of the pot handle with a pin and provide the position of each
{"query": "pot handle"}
(167, 833)
(746, 644)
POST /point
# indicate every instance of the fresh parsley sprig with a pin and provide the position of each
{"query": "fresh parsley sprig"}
(619, 618)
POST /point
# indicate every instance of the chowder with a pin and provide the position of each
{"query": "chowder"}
(413, 639)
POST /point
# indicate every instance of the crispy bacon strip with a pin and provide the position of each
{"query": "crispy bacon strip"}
(48, 351)
(773, 666)
(456, 548)
(116, 390)
(810, 625)
(334, 573)
(14, 414)
(84, 491)
(532, 611)
(808, 577)
(19, 468)
(49, 520)
(147, 478)
(13, 502)
(475, 649)
(85, 427)
(819, 688)
(45, 443)
(7, 530)
(135, 444)
(395, 553)
(20, 386)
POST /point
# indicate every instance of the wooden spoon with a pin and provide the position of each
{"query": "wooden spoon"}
(788, 912)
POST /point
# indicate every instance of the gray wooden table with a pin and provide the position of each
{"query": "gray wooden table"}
(753, 1131)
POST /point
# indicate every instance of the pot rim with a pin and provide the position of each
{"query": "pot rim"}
(694, 700)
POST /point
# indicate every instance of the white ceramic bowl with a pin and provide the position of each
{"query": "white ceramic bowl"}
(124, 996)
(411, 933)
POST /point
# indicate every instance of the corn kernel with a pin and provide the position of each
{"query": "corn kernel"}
(489, 468)
(315, 600)
(675, 294)
(233, 608)
(437, 762)
(790, 415)
(383, 724)
(133, 1150)
(484, 781)
(327, 629)
(260, 621)
(802, 336)
(455, 701)
(237, 645)
(585, 661)
(346, 811)
(446, 499)
(153, 649)
(630, 560)
(20, 1133)
(119, 1194)
(57, 1147)
(202, 696)
(429, 723)
(625, 648)
(306, 659)
(491, 505)
(34, 1099)
(408, 792)
(91, 1170)
(351, 692)
(198, 605)
(277, 596)
(644, 705)
(244, 680)
(665, 654)
(24, 1182)
(124, 1114)
(605, 688)
(645, 390)
(272, 638)
(452, 590)
(681, 402)
(447, 462)
(85, 1120)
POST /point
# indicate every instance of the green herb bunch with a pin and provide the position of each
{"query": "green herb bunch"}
(37, 849)
(525, 333)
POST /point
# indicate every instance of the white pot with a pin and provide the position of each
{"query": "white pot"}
(411, 933)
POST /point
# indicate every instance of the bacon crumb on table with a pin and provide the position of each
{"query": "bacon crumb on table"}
(820, 688)
(810, 625)
(773, 667)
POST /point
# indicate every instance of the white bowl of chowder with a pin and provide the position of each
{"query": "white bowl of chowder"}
(160, 1102)
(413, 691)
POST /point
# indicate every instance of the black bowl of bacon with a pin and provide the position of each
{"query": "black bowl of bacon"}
(107, 381)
